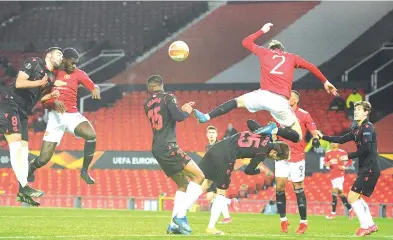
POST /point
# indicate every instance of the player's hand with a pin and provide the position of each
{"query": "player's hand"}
(330, 88)
(44, 80)
(187, 108)
(59, 83)
(59, 106)
(96, 94)
(316, 143)
(320, 135)
(55, 94)
(344, 158)
(266, 27)
(191, 103)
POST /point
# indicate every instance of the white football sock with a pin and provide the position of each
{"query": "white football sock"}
(215, 212)
(193, 192)
(224, 209)
(358, 207)
(18, 162)
(283, 219)
(179, 199)
(369, 217)
(207, 116)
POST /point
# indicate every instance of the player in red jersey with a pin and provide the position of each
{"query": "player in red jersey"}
(337, 170)
(277, 67)
(64, 115)
(294, 168)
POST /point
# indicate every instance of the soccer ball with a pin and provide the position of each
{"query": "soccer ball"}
(178, 51)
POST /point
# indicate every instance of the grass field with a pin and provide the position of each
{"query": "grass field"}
(78, 224)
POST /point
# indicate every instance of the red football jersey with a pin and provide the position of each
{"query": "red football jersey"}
(333, 157)
(277, 67)
(69, 89)
(306, 123)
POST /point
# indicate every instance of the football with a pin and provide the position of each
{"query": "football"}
(178, 51)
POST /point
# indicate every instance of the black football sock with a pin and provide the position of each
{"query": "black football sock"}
(288, 133)
(89, 150)
(345, 202)
(35, 164)
(281, 201)
(334, 203)
(301, 203)
(223, 108)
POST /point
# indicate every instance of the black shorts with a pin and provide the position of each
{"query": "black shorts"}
(212, 188)
(10, 120)
(171, 158)
(218, 168)
(365, 182)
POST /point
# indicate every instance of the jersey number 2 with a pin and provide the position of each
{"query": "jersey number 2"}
(155, 118)
(274, 70)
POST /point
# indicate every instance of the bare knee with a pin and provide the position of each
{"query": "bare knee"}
(280, 184)
(298, 185)
(353, 197)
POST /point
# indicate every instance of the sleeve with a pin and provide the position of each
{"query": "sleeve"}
(251, 168)
(248, 43)
(310, 124)
(326, 158)
(339, 139)
(348, 163)
(29, 65)
(85, 80)
(177, 114)
(308, 146)
(301, 63)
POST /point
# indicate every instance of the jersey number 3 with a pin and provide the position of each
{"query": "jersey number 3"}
(155, 118)
(274, 70)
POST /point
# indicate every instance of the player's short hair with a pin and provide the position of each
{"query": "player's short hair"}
(155, 79)
(51, 49)
(211, 127)
(366, 106)
(282, 150)
(274, 44)
(69, 53)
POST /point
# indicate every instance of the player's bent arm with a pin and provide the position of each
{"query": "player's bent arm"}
(23, 82)
(251, 168)
(177, 114)
(339, 139)
(363, 150)
(248, 42)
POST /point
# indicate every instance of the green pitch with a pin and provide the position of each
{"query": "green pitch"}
(78, 224)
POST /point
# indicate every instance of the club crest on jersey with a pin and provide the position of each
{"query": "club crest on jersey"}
(67, 76)
(28, 65)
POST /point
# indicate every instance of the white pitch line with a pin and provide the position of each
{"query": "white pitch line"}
(84, 216)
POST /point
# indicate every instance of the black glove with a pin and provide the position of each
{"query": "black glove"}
(316, 143)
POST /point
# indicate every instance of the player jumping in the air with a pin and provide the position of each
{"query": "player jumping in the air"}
(277, 68)
(295, 168)
(33, 79)
(218, 163)
(365, 137)
(64, 115)
(337, 171)
(163, 112)
(211, 192)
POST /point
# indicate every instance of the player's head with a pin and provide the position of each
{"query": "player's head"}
(274, 44)
(295, 98)
(53, 56)
(154, 83)
(71, 59)
(211, 133)
(354, 90)
(280, 151)
(334, 146)
(362, 110)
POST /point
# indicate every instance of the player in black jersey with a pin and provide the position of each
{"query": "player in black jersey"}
(163, 113)
(219, 161)
(365, 137)
(211, 134)
(16, 103)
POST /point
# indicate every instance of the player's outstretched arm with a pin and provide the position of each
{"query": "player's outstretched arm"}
(178, 114)
(252, 167)
(23, 82)
(248, 42)
(338, 139)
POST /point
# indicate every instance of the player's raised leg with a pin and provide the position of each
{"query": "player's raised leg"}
(46, 153)
(86, 131)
